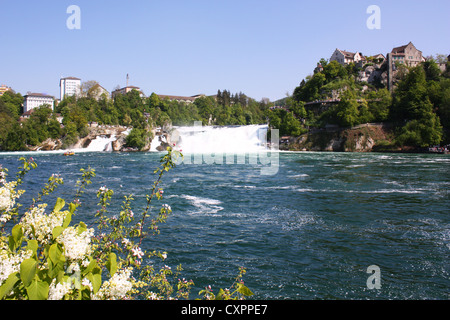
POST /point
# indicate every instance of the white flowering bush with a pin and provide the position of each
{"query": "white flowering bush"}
(44, 256)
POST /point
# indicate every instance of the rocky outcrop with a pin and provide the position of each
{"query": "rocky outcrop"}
(48, 145)
(363, 138)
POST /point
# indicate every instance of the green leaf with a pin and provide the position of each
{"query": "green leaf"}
(72, 207)
(244, 290)
(57, 231)
(81, 228)
(38, 290)
(220, 295)
(90, 267)
(33, 245)
(60, 203)
(9, 284)
(96, 280)
(55, 254)
(68, 218)
(111, 264)
(15, 240)
(27, 271)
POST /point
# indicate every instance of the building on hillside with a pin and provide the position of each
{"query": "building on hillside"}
(69, 86)
(346, 57)
(319, 68)
(97, 91)
(125, 90)
(190, 99)
(35, 100)
(408, 55)
(379, 58)
(3, 89)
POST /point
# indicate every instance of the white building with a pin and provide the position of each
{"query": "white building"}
(345, 57)
(69, 86)
(34, 100)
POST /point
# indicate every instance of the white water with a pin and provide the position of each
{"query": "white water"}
(239, 139)
(101, 143)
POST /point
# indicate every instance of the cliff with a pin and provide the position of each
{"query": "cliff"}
(362, 138)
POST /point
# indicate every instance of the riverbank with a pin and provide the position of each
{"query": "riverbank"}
(370, 137)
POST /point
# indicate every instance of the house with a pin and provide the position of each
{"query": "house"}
(69, 86)
(346, 57)
(97, 91)
(319, 68)
(408, 55)
(190, 99)
(3, 89)
(125, 90)
(379, 58)
(35, 100)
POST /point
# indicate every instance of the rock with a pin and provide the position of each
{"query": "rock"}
(119, 144)
(50, 144)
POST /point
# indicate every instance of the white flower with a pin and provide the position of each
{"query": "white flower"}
(152, 296)
(167, 207)
(85, 263)
(103, 189)
(38, 225)
(8, 196)
(164, 255)
(58, 291)
(76, 246)
(117, 287)
(85, 282)
(126, 242)
(10, 263)
(137, 252)
(5, 198)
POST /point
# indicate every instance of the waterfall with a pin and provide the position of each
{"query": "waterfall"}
(230, 139)
(99, 144)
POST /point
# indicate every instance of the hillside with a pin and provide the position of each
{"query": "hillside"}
(417, 108)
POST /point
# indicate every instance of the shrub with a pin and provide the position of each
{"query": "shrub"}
(43, 255)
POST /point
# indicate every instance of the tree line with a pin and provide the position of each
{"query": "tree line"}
(131, 109)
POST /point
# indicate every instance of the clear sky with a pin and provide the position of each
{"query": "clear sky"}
(263, 48)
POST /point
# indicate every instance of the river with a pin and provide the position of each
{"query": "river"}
(310, 230)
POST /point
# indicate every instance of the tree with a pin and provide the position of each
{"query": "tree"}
(136, 139)
(411, 97)
(432, 71)
(311, 89)
(347, 112)
(334, 70)
(15, 139)
(379, 104)
(13, 102)
(90, 89)
(154, 101)
(285, 122)
(413, 108)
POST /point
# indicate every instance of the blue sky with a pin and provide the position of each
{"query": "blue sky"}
(186, 47)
